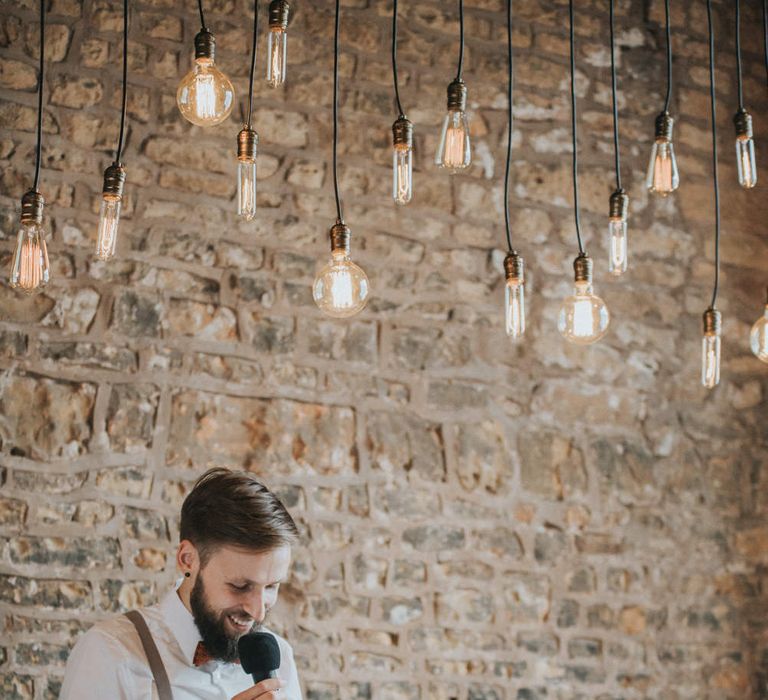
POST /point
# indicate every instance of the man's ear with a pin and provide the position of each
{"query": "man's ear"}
(188, 559)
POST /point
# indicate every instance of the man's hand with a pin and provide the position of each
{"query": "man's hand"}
(266, 690)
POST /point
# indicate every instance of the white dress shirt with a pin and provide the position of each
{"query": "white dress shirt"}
(109, 663)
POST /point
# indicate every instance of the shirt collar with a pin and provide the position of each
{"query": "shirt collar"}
(180, 622)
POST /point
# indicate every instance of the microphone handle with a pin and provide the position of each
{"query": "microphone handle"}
(258, 677)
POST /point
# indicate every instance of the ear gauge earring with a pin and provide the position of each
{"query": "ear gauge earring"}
(186, 574)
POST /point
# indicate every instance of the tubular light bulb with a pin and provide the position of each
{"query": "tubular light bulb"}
(710, 348)
(514, 295)
(745, 150)
(402, 161)
(247, 144)
(583, 317)
(453, 151)
(758, 337)
(30, 268)
(617, 233)
(205, 96)
(341, 287)
(277, 42)
(663, 176)
(109, 216)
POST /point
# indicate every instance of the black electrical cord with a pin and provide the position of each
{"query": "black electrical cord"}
(401, 114)
(573, 132)
(765, 35)
(38, 154)
(119, 151)
(253, 58)
(616, 154)
(509, 124)
(714, 150)
(339, 214)
(461, 41)
(739, 81)
(202, 17)
(669, 55)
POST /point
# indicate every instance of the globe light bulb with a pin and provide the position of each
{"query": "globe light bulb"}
(617, 233)
(745, 149)
(247, 144)
(341, 287)
(205, 96)
(402, 161)
(277, 42)
(663, 176)
(758, 337)
(453, 151)
(514, 295)
(109, 216)
(30, 268)
(710, 348)
(583, 317)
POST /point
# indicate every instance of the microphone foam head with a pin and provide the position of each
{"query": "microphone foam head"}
(259, 652)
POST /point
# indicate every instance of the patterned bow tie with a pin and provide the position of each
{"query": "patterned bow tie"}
(202, 656)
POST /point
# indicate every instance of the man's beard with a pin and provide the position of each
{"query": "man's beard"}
(212, 625)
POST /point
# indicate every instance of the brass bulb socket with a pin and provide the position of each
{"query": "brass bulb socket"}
(713, 321)
(279, 12)
(205, 44)
(340, 236)
(664, 125)
(114, 180)
(247, 142)
(618, 205)
(32, 207)
(582, 268)
(742, 120)
(514, 267)
(457, 96)
(402, 132)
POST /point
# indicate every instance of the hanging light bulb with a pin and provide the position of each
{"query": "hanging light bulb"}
(341, 287)
(30, 269)
(247, 143)
(453, 151)
(663, 176)
(205, 96)
(402, 161)
(758, 337)
(583, 317)
(277, 42)
(514, 295)
(617, 232)
(109, 217)
(745, 149)
(710, 348)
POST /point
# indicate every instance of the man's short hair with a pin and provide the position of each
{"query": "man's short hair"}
(232, 508)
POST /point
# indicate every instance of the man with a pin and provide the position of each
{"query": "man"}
(235, 549)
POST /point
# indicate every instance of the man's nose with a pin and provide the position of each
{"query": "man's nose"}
(255, 607)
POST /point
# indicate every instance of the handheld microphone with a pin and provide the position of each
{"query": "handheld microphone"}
(259, 655)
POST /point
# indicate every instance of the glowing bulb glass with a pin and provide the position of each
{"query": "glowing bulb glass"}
(277, 46)
(30, 269)
(710, 360)
(663, 176)
(617, 246)
(453, 151)
(758, 337)
(514, 308)
(109, 219)
(583, 317)
(205, 96)
(402, 173)
(745, 162)
(246, 189)
(341, 287)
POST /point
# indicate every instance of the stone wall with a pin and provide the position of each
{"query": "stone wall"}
(480, 521)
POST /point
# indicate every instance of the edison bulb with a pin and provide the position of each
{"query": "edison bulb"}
(341, 287)
(30, 268)
(514, 295)
(710, 349)
(758, 337)
(583, 317)
(205, 96)
(745, 149)
(277, 42)
(402, 160)
(247, 143)
(453, 152)
(662, 176)
(617, 246)
(109, 218)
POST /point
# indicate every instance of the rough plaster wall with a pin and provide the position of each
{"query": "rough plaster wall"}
(480, 521)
